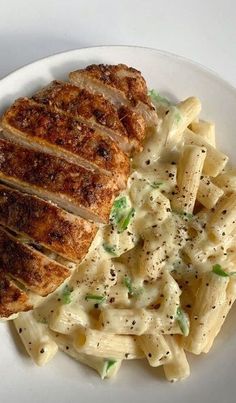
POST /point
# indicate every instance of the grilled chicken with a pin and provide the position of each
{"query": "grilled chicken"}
(12, 298)
(122, 85)
(96, 112)
(41, 128)
(72, 187)
(30, 267)
(65, 150)
(46, 224)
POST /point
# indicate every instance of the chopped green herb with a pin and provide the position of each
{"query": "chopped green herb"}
(183, 321)
(128, 284)
(158, 99)
(124, 223)
(111, 249)
(121, 214)
(133, 291)
(66, 295)
(98, 298)
(109, 364)
(217, 269)
(118, 208)
(156, 185)
(178, 116)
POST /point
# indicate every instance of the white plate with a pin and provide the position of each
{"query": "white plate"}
(63, 380)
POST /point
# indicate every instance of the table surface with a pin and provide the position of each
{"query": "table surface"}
(204, 31)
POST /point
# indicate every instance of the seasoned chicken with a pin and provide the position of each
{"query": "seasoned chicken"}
(72, 187)
(30, 267)
(64, 157)
(96, 111)
(46, 224)
(41, 128)
(120, 84)
(12, 298)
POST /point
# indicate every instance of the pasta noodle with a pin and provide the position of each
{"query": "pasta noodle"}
(159, 279)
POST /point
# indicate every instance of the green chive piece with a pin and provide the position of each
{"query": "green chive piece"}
(118, 207)
(217, 269)
(156, 185)
(158, 99)
(111, 249)
(66, 295)
(109, 364)
(123, 225)
(183, 321)
(133, 291)
(98, 298)
(128, 283)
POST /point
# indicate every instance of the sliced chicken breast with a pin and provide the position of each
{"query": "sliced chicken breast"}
(46, 224)
(94, 110)
(30, 267)
(12, 298)
(72, 187)
(38, 126)
(120, 84)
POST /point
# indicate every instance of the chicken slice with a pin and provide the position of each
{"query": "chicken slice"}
(94, 110)
(46, 224)
(30, 267)
(120, 84)
(72, 187)
(42, 128)
(12, 298)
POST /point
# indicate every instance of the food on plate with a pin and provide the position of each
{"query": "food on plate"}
(33, 269)
(46, 224)
(123, 125)
(120, 84)
(123, 254)
(73, 187)
(42, 128)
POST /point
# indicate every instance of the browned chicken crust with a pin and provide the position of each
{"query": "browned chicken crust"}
(58, 133)
(34, 270)
(46, 224)
(12, 298)
(119, 83)
(92, 109)
(127, 80)
(74, 188)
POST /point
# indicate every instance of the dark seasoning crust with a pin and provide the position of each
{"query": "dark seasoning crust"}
(64, 120)
(81, 187)
(125, 79)
(45, 223)
(51, 128)
(94, 109)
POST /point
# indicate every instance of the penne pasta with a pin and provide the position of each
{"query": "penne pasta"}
(101, 344)
(208, 194)
(155, 349)
(106, 368)
(34, 335)
(222, 219)
(178, 368)
(210, 298)
(68, 318)
(188, 178)
(137, 321)
(206, 130)
(215, 160)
